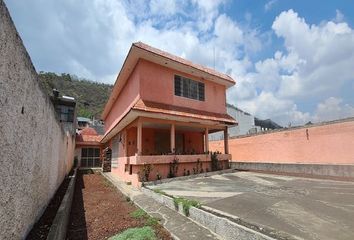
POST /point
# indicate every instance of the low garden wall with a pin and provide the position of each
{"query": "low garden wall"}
(133, 169)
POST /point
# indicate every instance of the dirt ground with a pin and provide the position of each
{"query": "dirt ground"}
(100, 211)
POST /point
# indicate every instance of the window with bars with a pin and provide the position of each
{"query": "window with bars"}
(185, 87)
(90, 157)
(65, 113)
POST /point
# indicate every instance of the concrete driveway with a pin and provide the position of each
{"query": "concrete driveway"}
(288, 207)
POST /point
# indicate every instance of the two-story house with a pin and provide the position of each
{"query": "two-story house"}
(160, 112)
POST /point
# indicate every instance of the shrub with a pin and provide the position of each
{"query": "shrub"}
(144, 174)
(173, 168)
(214, 161)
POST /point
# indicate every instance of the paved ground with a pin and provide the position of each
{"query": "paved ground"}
(180, 227)
(291, 207)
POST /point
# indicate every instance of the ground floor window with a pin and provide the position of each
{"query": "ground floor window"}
(90, 157)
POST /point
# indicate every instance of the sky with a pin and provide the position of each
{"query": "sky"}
(293, 61)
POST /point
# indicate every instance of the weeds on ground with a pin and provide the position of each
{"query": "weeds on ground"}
(149, 221)
(143, 233)
(139, 213)
(152, 221)
(159, 191)
(186, 204)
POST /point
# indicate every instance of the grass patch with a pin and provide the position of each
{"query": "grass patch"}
(186, 204)
(149, 221)
(139, 213)
(144, 233)
(159, 191)
(152, 221)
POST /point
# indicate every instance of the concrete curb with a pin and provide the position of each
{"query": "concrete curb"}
(206, 174)
(345, 171)
(60, 223)
(218, 224)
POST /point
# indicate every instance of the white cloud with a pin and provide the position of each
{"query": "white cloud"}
(317, 63)
(91, 40)
(339, 16)
(166, 7)
(269, 5)
(331, 109)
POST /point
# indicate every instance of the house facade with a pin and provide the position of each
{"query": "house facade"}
(160, 113)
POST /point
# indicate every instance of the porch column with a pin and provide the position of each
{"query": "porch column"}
(125, 134)
(173, 139)
(226, 141)
(206, 140)
(139, 137)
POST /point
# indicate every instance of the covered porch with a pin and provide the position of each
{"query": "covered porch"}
(148, 148)
(149, 136)
(153, 141)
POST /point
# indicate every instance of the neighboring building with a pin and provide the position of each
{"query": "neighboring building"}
(246, 124)
(163, 108)
(65, 109)
(88, 149)
(83, 122)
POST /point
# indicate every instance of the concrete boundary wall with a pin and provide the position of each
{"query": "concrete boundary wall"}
(36, 153)
(325, 149)
(220, 225)
(341, 171)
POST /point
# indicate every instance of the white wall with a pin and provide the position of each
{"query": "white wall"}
(245, 124)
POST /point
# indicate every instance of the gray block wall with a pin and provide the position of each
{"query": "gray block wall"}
(36, 153)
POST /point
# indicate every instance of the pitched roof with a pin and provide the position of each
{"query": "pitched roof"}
(88, 136)
(182, 111)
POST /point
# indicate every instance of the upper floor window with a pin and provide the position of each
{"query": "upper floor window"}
(65, 113)
(189, 88)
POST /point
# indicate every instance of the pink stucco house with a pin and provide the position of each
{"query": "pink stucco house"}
(160, 112)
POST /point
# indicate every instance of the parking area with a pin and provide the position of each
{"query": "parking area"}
(289, 207)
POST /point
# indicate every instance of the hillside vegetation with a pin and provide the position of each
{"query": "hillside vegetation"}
(90, 96)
